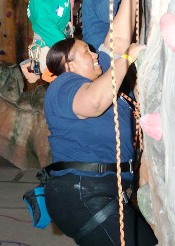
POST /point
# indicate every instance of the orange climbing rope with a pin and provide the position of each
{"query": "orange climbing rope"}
(138, 135)
(116, 122)
(118, 159)
(138, 132)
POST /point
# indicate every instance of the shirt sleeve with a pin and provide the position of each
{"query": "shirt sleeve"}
(66, 93)
(102, 9)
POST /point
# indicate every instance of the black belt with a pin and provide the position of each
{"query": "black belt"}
(91, 167)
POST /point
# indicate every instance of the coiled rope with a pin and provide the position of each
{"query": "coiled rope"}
(116, 122)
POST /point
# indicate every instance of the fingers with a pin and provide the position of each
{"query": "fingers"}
(134, 50)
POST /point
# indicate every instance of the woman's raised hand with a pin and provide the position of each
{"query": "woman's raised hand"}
(133, 50)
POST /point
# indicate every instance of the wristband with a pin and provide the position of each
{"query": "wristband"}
(127, 57)
(107, 51)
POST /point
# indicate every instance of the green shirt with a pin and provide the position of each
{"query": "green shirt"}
(49, 19)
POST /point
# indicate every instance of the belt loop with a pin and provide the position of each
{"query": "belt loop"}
(131, 166)
(101, 168)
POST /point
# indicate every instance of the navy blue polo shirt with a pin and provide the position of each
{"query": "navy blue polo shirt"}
(87, 140)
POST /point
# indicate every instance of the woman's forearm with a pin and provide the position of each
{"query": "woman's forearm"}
(123, 26)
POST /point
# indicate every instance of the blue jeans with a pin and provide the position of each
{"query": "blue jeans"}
(86, 209)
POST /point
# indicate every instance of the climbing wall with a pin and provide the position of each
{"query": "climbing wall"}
(156, 80)
(15, 31)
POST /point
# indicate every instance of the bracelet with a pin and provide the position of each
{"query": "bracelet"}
(127, 57)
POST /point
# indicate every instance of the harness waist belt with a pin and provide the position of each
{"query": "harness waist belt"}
(92, 167)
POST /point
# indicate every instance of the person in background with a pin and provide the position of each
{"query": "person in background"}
(81, 192)
(95, 21)
(50, 23)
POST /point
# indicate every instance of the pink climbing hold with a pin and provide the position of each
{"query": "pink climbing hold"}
(167, 27)
(151, 125)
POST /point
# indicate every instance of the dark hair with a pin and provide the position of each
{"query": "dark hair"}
(58, 55)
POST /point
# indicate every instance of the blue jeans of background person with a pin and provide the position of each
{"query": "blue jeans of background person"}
(72, 201)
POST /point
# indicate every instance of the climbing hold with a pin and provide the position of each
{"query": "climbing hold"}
(2, 52)
(167, 27)
(8, 14)
(151, 125)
